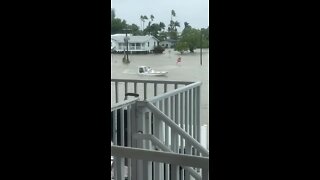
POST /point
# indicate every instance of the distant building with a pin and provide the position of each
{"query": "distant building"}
(169, 43)
(135, 44)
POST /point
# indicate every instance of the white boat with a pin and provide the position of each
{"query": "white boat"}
(144, 70)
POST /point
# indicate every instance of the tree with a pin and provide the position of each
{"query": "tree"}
(135, 30)
(142, 21)
(153, 30)
(176, 24)
(162, 35)
(173, 14)
(149, 24)
(186, 25)
(191, 37)
(172, 28)
(181, 46)
(162, 26)
(143, 18)
(117, 25)
(158, 49)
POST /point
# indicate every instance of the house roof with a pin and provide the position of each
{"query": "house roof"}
(133, 39)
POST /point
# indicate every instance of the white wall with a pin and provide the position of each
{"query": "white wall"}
(153, 43)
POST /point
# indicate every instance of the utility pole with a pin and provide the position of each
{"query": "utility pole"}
(201, 47)
(126, 40)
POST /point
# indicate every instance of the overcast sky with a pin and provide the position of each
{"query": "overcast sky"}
(195, 12)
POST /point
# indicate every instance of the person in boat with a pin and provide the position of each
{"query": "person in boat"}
(178, 60)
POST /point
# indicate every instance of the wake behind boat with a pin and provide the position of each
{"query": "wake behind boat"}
(144, 70)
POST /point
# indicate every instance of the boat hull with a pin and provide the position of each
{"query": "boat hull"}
(154, 74)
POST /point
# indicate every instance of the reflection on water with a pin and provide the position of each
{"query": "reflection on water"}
(188, 70)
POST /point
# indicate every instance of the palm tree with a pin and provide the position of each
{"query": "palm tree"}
(173, 14)
(142, 20)
(186, 25)
(162, 25)
(176, 24)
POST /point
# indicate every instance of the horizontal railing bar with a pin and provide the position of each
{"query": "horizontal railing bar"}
(174, 92)
(152, 81)
(176, 127)
(123, 103)
(159, 156)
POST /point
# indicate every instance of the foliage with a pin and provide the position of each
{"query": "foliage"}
(191, 38)
(135, 30)
(162, 36)
(172, 27)
(143, 18)
(181, 46)
(162, 26)
(117, 25)
(153, 30)
(158, 50)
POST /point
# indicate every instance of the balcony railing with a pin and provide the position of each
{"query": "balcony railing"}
(164, 123)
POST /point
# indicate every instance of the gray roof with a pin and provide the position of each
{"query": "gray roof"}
(133, 39)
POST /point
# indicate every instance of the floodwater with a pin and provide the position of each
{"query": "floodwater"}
(189, 69)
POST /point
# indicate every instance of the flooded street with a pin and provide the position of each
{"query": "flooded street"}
(188, 70)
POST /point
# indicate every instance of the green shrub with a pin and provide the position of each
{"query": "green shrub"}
(158, 50)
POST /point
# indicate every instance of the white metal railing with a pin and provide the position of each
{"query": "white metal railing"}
(119, 87)
(176, 129)
(183, 107)
(170, 116)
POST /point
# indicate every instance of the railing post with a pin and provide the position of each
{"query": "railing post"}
(174, 146)
(198, 114)
(140, 125)
(182, 125)
(134, 121)
(166, 132)
(158, 132)
(188, 151)
(155, 89)
(205, 174)
(129, 130)
(144, 91)
(116, 89)
(125, 89)
(147, 165)
(115, 128)
(175, 169)
(118, 171)
(143, 125)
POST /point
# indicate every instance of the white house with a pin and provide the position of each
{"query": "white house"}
(135, 43)
(169, 43)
